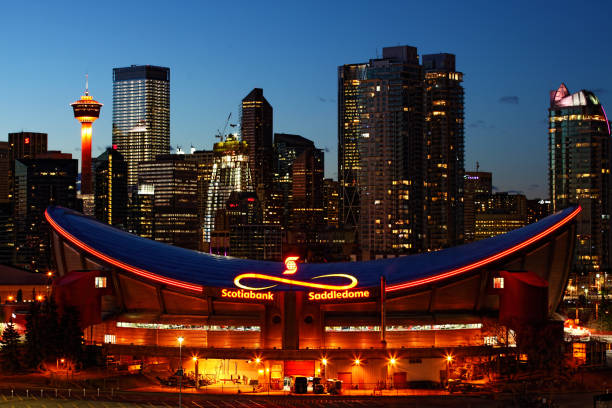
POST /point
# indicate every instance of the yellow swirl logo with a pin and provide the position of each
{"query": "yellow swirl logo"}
(290, 269)
(352, 281)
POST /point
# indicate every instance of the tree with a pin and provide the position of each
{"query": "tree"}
(50, 330)
(10, 348)
(34, 336)
(19, 296)
(71, 335)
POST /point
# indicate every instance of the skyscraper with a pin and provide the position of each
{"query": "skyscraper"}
(475, 184)
(444, 138)
(7, 224)
(230, 173)
(23, 145)
(307, 212)
(174, 181)
(350, 109)
(141, 114)
(288, 148)
(256, 129)
(579, 172)
(392, 155)
(110, 188)
(204, 160)
(48, 179)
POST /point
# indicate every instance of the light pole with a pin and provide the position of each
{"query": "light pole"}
(449, 360)
(180, 342)
(390, 365)
(197, 384)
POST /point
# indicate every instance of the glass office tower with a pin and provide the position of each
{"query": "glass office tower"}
(141, 114)
(350, 110)
(230, 173)
(579, 173)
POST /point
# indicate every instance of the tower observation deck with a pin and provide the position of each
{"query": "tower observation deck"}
(86, 111)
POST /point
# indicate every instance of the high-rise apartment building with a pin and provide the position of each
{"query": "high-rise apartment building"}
(230, 173)
(175, 217)
(444, 138)
(48, 179)
(23, 145)
(579, 172)
(392, 155)
(307, 208)
(141, 114)
(110, 188)
(203, 160)
(350, 109)
(475, 183)
(288, 148)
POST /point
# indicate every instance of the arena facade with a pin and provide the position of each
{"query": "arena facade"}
(394, 320)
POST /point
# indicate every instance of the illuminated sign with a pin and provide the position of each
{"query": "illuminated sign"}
(330, 292)
(260, 276)
(339, 295)
(246, 294)
(291, 265)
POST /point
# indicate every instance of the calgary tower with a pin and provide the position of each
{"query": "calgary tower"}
(86, 111)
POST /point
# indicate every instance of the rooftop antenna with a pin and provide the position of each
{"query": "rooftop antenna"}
(86, 84)
(477, 166)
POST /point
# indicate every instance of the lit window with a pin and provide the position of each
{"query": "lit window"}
(498, 283)
(490, 341)
(579, 351)
(100, 282)
(110, 339)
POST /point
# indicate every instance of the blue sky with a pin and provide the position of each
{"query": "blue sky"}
(512, 55)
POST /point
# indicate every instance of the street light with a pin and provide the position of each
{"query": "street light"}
(197, 383)
(449, 360)
(391, 363)
(180, 342)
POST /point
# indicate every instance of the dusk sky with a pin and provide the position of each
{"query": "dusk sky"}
(511, 53)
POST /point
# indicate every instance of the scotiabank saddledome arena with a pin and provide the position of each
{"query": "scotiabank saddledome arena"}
(267, 320)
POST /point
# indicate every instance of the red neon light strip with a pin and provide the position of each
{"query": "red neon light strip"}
(482, 262)
(119, 264)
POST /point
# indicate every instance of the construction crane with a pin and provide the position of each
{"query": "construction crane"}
(221, 134)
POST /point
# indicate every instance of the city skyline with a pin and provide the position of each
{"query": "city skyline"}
(508, 56)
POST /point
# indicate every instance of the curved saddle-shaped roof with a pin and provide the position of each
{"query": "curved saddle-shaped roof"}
(192, 270)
